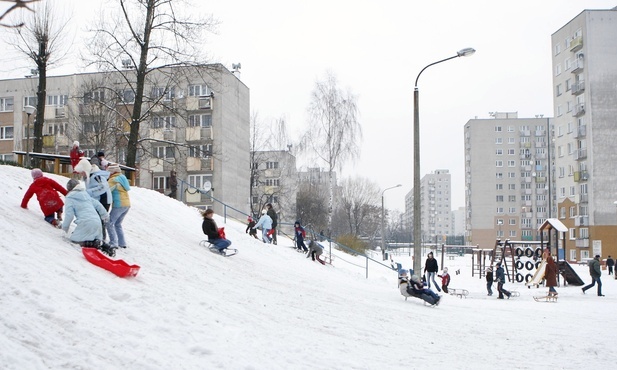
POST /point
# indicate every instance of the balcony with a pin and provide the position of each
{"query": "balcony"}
(580, 154)
(576, 44)
(579, 110)
(581, 221)
(578, 66)
(581, 132)
(578, 88)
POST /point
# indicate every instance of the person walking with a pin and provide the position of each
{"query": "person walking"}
(300, 235)
(249, 228)
(489, 280)
(501, 280)
(274, 217)
(210, 228)
(610, 263)
(595, 272)
(46, 191)
(266, 224)
(430, 270)
(550, 274)
(445, 280)
(121, 203)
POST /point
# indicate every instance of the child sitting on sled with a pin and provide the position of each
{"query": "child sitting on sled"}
(212, 231)
(416, 288)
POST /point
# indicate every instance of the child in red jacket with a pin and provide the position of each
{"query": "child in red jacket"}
(445, 280)
(46, 191)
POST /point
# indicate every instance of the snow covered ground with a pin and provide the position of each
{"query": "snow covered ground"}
(266, 308)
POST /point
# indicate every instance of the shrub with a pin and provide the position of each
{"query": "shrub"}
(352, 243)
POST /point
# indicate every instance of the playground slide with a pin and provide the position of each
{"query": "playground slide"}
(569, 275)
(538, 276)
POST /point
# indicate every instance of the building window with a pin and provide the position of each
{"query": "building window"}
(202, 151)
(499, 198)
(167, 93)
(203, 120)
(512, 222)
(497, 128)
(6, 133)
(499, 210)
(584, 233)
(128, 96)
(499, 175)
(273, 182)
(166, 122)
(498, 140)
(160, 183)
(558, 90)
(511, 186)
(499, 152)
(572, 233)
(57, 100)
(511, 198)
(163, 152)
(499, 186)
(199, 180)
(199, 90)
(572, 211)
(272, 165)
(6, 104)
(92, 127)
(30, 100)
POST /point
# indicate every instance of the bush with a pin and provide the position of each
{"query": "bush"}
(353, 244)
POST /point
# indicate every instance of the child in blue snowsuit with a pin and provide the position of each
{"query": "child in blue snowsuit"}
(300, 235)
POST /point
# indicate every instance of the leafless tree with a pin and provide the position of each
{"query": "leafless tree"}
(360, 206)
(312, 208)
(334, 130)
(43, 39)
(17, 4)
(143, 36)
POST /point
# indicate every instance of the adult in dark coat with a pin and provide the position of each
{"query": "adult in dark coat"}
(550, 273)
(274, 217)
(430, 269)
(595, 272)
(500, 276)
(610, 263)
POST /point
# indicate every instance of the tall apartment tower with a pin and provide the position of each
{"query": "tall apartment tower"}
(508, 177)
(436, 206)
(584, 52)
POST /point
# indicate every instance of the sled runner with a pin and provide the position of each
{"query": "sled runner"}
(227, 252)
(458, 292)
(548, 298)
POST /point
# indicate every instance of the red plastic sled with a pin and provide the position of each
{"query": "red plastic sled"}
(118, 267)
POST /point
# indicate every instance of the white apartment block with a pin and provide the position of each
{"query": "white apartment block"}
(436, 207)
(196, 123)
(584, 56)
(507, 178)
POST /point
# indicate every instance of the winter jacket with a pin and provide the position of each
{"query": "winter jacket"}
(265, 222)
(550, 273)
(249, 227)
(210, 229)
(489, 276)
(500, 275)
(445, 279)
(119, 186)
(300, 233)
(98, 187)
(273, 217)
(315, 247)
(46, 191)
(75, 155)
(431, 265)
(610, 262)
(594, 268)
(87, 213)
(403, 285)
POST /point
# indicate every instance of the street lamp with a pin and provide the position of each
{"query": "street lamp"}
(383, 228)
(29, 110)
(417, 232)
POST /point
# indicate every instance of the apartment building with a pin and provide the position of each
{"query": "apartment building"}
(585, 106)
(436, 207)
(195, 122)
(508, 176)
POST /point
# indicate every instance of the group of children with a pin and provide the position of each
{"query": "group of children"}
(88, 202)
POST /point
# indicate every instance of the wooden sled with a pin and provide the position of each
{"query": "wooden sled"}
(547, 298)
(458, 292)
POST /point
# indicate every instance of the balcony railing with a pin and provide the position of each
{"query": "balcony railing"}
(578, 110)
(576, 44)
(578, 88)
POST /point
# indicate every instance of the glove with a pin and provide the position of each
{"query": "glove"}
(105, 219)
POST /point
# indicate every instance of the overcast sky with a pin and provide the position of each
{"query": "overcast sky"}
(376, 49)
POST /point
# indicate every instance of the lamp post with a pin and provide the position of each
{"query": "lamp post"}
(383, 228)
(417, 232)
(29, 110)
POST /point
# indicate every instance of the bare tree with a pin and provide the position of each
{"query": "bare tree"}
(17, 4)
(145, 36)
(360, 206)
(334, 132)
(42, 38)
(312, 207)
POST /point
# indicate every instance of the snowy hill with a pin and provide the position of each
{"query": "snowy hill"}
(266, 308)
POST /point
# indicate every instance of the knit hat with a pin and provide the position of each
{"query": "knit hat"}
(71, 184)
(36, 173)
(75, 143)
(100, 154)
(263, 212)
(113, 168)
(445, 269)
(83, 165)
